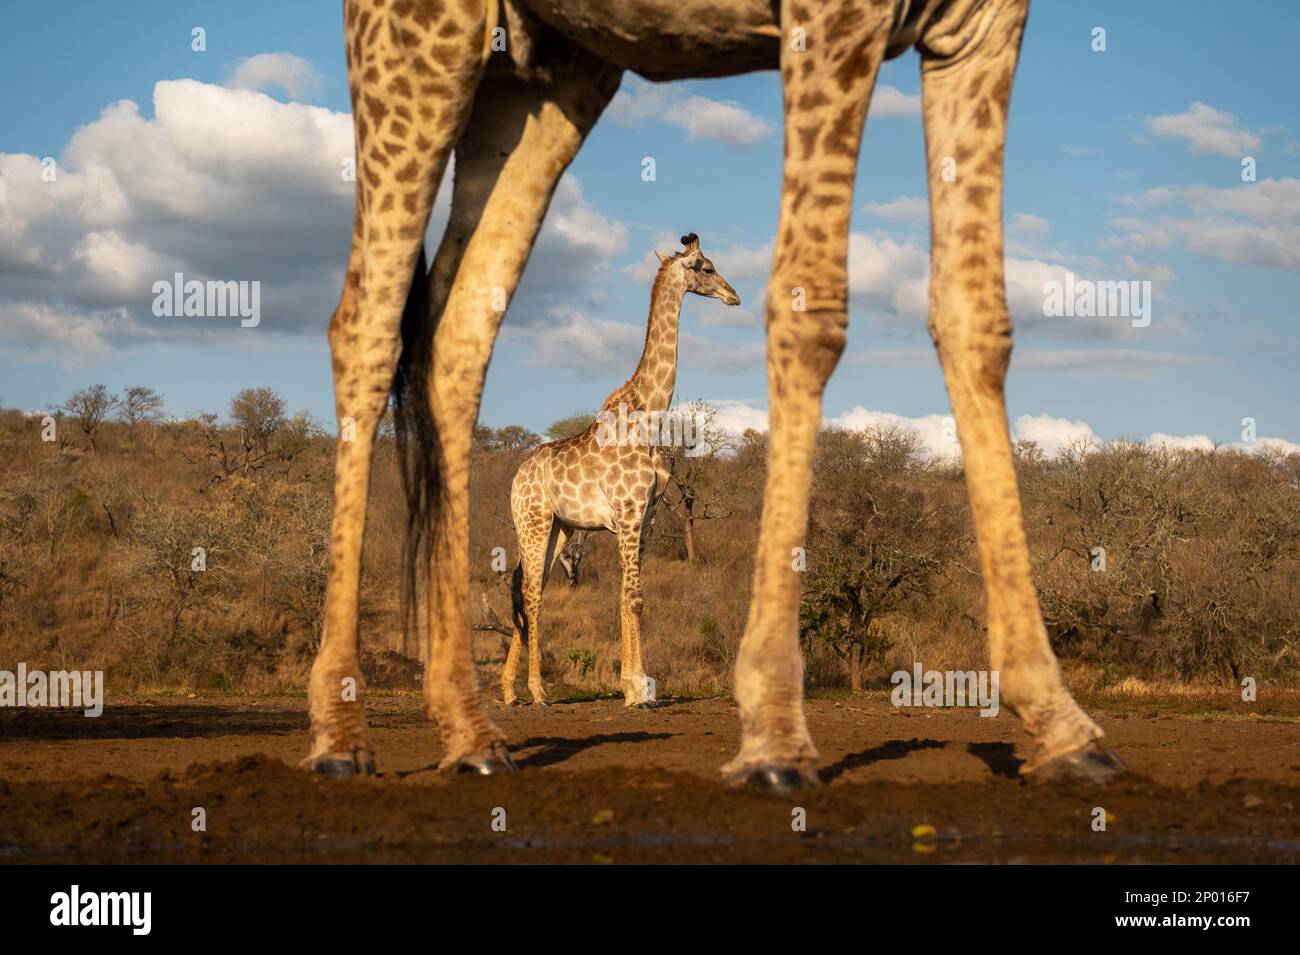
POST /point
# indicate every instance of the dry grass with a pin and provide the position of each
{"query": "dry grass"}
(96, 550)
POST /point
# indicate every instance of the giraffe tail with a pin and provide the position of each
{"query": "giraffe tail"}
(418, 448)
(517, 602)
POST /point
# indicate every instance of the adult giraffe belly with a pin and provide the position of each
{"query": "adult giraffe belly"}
(669, 39)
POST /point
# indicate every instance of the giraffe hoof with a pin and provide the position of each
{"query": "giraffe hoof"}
(1092, 764)
(489, 763)
(342, 767)
(778, 778)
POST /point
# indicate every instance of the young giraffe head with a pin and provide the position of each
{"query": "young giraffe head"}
(701, 277)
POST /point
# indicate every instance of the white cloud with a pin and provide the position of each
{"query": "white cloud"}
(749, 315)
(741, 263)
(1260, 445)
(137, 200)
(299, 79)
(938, 432)
(737, 417)
(76, 338)
(723, 121)
(570, 339)
(890, 276)
(697, 352)
(922, 357)
(644, 269)
(1252, 224)
(913, 209)
(1027, 226)
(567, 338)
(889, 282)
(120, 265)
(1191, 442)
(1053, 435)
(736, 263)
(1129, 363)
(891, 101)
(1206, 129)
(579, 226)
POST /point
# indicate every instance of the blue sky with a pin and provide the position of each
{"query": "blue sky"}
(1121, 165)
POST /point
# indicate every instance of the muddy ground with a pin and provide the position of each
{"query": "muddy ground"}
(1210, 782)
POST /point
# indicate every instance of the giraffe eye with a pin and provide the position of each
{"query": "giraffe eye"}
(708, 271)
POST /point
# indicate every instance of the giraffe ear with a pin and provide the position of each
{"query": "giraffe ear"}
(661, 257)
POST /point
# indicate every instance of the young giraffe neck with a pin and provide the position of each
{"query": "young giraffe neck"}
(656, 374)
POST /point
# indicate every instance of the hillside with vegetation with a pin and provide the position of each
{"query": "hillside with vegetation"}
(191, 555)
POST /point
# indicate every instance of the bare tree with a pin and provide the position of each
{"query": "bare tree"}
(140, 406)
(259, 413)
(877, 541)
(88, 408)
(694, 492)
(575, 548)
(514, 437)
(295, 439)
(228, 456)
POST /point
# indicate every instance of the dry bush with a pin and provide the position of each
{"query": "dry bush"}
(881, 531)
(1202, 578)
(1201, 557)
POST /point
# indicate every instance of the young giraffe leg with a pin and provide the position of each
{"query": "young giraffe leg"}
(529, 622)
(554, 544)
(519, 141)
(537, 534)
(826, 91)
(510, 671)
(965, 105)
(398, 169)
(631, 535)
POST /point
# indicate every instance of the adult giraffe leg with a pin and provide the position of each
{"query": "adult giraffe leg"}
(966, 95)
(827, 86)
(399, 166)
(520, 139)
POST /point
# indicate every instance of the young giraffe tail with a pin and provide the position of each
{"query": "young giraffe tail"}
(517, 602)
(418, 450)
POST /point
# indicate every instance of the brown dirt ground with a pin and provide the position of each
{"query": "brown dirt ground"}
(1209, 783)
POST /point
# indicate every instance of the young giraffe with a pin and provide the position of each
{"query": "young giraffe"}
(592, 480)
(427, 76)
